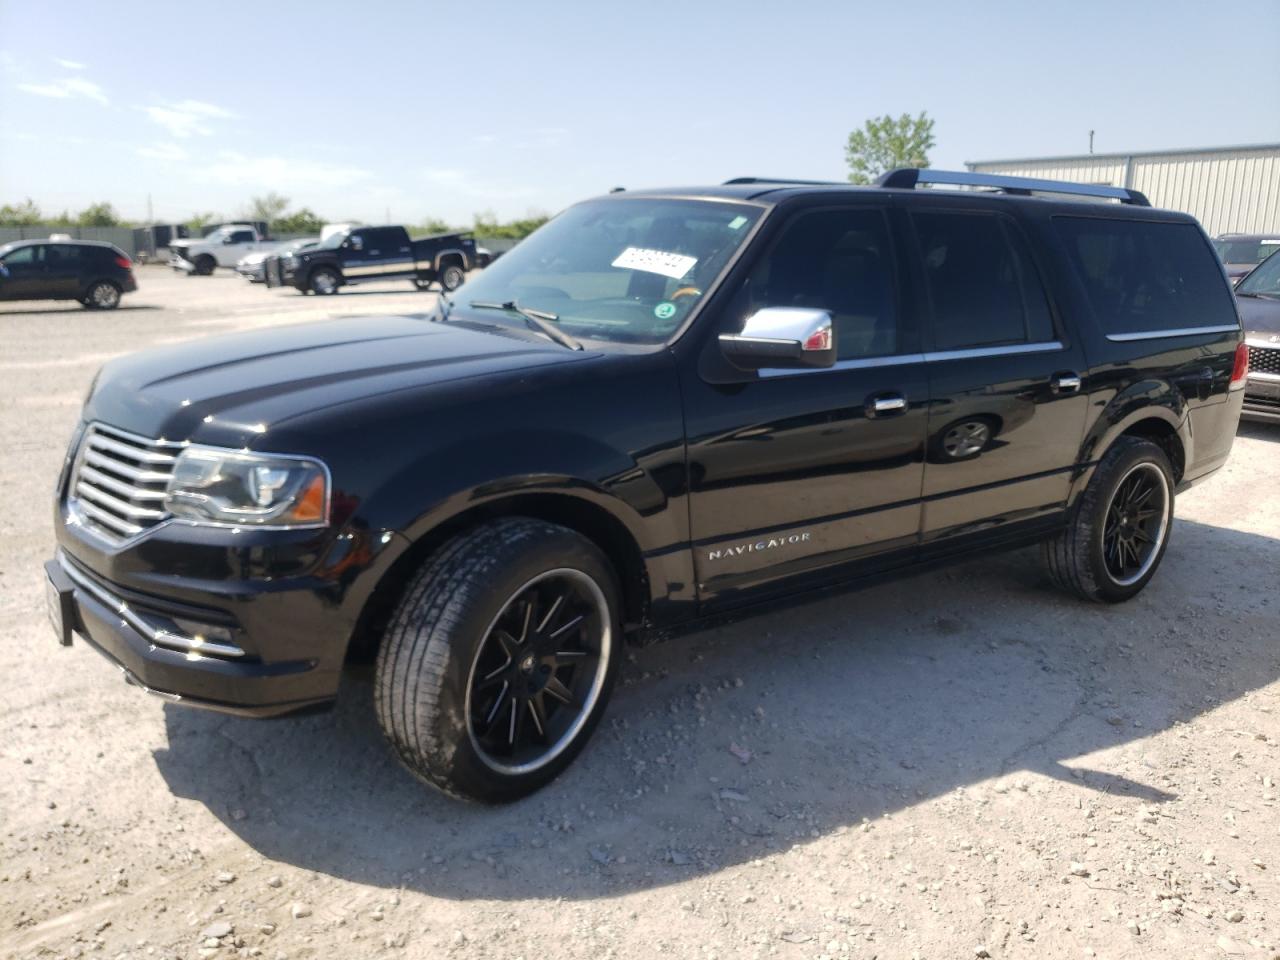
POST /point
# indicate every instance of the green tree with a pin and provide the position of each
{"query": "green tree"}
(269, 208)
(25, 214)
(435, 225)
(487, 225)
(885, 143)
(98, 215)
(300, 221)
(198, 221)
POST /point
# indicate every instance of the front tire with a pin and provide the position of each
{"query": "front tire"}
(205, 265)
(499, 661)
(324, 282)
(1120, 528)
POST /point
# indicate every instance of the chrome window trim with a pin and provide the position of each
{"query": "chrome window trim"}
(1012, 349)
(1179, 332)
(933, 356)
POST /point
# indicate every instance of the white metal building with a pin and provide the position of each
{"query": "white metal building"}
(1228, 189)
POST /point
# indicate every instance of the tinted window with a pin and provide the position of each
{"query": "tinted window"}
(834, 260)
(1145, 276)
(982, 284)
(61, 254)
(242, 236)
(21, 255)
(1245, 251)
(383, 240)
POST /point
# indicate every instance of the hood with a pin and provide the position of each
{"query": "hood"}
(1261, 318)
(231, 390)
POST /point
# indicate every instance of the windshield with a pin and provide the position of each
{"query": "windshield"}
(334, 240)
(1264, 281)
(1245, 251)
(626, 270)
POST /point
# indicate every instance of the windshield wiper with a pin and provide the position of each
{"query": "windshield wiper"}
(538, 320)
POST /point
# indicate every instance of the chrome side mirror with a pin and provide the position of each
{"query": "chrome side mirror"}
(788, 337)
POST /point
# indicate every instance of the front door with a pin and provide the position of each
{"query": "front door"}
(62, 268)
(796, 476)
(1007, 411)
(21, 277)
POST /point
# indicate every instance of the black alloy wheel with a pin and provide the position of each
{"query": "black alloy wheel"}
(1137, 519)
(539, 671)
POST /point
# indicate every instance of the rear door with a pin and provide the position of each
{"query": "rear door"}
(62, 265)
(1006, 412)
(799, 476)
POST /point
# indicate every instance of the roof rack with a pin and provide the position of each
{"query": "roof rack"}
(806, 183)
(907, 178)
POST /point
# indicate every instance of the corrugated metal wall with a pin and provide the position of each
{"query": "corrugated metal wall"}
(1229, 191)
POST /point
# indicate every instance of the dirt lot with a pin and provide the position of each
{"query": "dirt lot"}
(962, 763)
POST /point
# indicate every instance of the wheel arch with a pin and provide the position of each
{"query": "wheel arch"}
(583, 515)
(1164, 423)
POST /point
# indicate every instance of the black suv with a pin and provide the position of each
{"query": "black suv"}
(95, 274)
(660, 410)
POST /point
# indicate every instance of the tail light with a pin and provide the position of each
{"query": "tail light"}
(1240, 371)
(124, 262)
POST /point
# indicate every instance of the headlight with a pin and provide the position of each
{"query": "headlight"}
(225, 486)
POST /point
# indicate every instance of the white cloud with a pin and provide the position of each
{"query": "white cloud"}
(163, 151)
(187, 118)
(69, 64)
(279, 173)
(66, 88)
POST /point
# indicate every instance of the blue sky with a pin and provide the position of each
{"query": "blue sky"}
(444, 109)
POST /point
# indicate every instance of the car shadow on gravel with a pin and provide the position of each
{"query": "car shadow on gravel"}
(750, 739)
(34, 312)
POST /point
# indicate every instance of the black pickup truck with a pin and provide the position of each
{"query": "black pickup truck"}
(663, 409)
(361, 254)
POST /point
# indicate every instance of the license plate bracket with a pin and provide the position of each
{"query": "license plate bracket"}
(59, 596)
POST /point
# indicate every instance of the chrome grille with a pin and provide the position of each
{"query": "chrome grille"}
(118, 484)
(1264, 360)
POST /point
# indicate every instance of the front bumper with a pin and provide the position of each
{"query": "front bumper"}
(135, 634)
(254, 273)
(179, 262)
(1262, 398)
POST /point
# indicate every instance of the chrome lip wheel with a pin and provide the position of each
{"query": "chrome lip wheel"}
(1137, 522)
(538, 672)
(966, 439)
(105, 295)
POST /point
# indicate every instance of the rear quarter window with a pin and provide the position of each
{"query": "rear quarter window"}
(1147, 276)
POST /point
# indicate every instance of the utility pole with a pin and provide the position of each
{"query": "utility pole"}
(1091, 141)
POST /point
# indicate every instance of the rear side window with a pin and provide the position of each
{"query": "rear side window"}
(982, 283)
(63, 254)
(242, 236)
(1143, 276)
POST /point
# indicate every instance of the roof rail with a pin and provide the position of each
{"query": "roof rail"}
(807, 183)
(907, 178)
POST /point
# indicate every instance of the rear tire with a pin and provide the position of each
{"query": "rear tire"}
(452, 277)
(324, 281)
(500, 658)
(205, 265)
(1120, 527)
(103, 295)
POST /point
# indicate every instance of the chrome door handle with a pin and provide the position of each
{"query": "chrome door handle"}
(886, 404)
(1065, 382)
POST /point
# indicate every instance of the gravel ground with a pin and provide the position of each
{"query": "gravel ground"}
(958, 764)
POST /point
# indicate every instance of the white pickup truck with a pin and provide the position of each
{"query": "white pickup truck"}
(222, 248)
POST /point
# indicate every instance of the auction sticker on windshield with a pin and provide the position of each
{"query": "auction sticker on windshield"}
(673, 265)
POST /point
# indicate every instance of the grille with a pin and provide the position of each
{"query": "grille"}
(1264, 360)
(119, 481)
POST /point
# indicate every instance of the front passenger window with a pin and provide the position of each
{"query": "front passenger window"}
(838, 261)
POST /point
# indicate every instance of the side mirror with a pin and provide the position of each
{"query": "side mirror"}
(786, 337)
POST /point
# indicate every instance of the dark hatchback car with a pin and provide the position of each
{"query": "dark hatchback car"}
(662, 409)
(1241, 252)
(1259, 297)
(92, 273)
